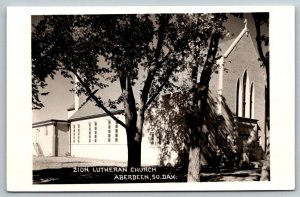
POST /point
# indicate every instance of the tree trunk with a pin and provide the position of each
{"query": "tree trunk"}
(134, 140)
(196, 120)
(265, 170)
(194, 164)
(134, 137)
(199, 95)
(196, 124)
(134, 148)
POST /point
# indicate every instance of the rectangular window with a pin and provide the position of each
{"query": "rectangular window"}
(46, 131)
(90, 132)
(109, 131)
(168, 138)
(95, 134)
(116, 133)
(78, 133)
(151, 138)
(159, 139)
(74, 133)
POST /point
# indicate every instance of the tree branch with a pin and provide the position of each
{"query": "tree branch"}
(265, 61)
(159, 89)
(153, 69)
(211, 56)
(126, 87)
(258, 41)
(152, 98)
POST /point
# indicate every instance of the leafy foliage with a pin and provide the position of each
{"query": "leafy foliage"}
(157, 45)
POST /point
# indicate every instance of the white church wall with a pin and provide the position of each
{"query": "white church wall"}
(111, 144)
(44, 136)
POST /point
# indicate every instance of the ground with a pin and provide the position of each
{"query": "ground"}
(72, 170)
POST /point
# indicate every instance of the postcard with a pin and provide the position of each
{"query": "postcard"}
(150, 98)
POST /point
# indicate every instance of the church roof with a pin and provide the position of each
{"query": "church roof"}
(72, 107)
(224, 45)
(90, 110)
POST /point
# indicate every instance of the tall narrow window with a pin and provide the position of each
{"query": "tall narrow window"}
(267, 108)
(168, 137)
(151, 138)
(244, 94)
(109, 131)
(90, 132)
(237, 97)
(78, 133)
(74, 134)
(251, 101)
(159, 138)
(95, 134)
(116, 133)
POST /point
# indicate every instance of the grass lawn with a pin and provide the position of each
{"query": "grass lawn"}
(41, 163)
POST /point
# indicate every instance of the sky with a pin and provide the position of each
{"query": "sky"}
(60, 98)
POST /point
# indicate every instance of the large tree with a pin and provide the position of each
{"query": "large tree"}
(202, 32)
(130, 44)
(203, 43)
(157, 46)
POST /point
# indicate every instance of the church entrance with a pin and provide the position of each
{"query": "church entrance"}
(247, 138)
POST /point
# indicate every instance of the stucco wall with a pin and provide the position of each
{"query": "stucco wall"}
(44, 139)
(103, 149)
(63, 141)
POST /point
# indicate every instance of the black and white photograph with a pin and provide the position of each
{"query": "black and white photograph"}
(151, 97)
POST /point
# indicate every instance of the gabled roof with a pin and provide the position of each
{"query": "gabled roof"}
(72, 107)
(90, 110)
(224, 45)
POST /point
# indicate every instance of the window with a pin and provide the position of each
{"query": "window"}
(109, 131)
(159, 139)
(116, 133)
(155, 138)
(90, 132)
(168, 137)
(151, 138)
(95, 134)
(78, 133)
(237, 97)
(74, 133)
(46, 131)
(251, 101)
(244, 95)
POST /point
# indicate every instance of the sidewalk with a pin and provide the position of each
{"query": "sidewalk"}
(237, 175)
